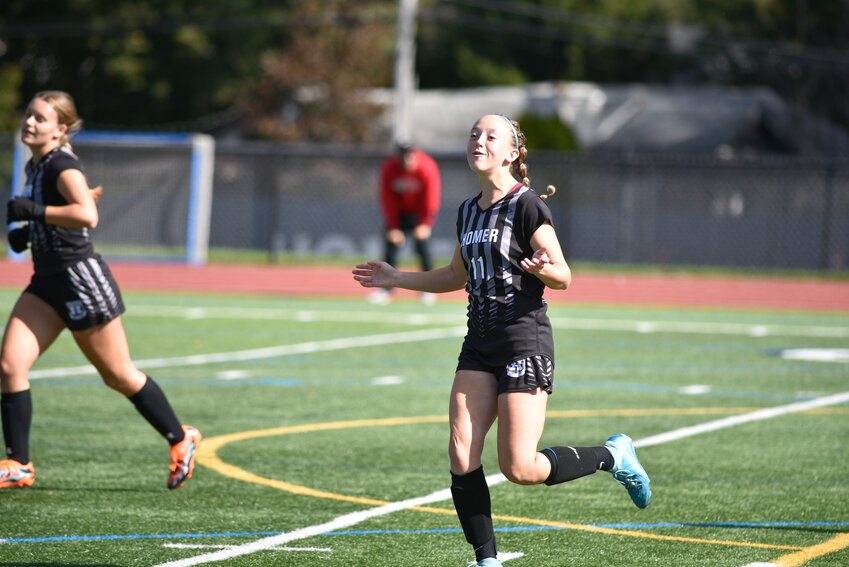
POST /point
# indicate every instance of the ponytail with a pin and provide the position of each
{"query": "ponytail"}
(519, 163)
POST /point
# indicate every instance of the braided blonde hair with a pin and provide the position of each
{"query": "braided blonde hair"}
(519, 163)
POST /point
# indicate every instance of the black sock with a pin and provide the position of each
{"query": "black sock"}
(16, 410)
(569, 463)
(153, 405)
(474, 509)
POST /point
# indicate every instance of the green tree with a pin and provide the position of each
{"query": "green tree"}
(800, 49)
(140, 63)
(295, 69)
(311, 87)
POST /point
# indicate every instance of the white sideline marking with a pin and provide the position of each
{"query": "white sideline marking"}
(336, 524)
(816, 354)
(268, 352)
(700, 327)
(744, 418)
(233, 374)
(613, 325)
(445, 494)
(695, 389)
(387, 380)
(625, 325)
(208, 546)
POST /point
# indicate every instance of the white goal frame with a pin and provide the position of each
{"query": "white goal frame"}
(200, 179)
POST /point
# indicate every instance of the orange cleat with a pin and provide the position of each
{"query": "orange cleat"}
(183, 457)
(13, 473)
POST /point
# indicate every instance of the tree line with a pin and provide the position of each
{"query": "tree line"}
(289, 70)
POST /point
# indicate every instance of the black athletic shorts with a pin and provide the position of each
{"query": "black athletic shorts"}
(408, 222)
(84, 294)
(520, 353)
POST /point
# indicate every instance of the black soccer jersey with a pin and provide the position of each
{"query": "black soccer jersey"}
(492, 243)
(54, 247)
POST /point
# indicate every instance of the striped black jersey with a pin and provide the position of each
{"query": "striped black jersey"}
(54, 247)
(492, 242)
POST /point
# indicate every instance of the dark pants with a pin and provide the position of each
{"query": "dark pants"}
(408, 223)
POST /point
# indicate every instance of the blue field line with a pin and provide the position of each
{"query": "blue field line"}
(435, 531)
(128, 536)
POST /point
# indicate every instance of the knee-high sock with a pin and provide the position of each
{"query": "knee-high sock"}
(153, 405)
(569, 463)
(474, 509)
(16, 410)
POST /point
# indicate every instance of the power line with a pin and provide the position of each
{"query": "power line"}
(649, 37)
(66, 29)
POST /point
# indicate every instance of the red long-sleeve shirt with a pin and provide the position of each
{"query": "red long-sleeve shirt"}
(415, 192)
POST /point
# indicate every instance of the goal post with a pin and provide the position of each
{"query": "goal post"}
(157, 192)
(200, 198)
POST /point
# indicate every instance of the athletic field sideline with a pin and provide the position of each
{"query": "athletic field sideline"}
(325, 436)
(606, 288)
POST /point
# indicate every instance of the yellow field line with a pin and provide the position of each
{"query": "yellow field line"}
(208, 453)
(837, 543)
(208, 457)
(612, 531)
(632, 533)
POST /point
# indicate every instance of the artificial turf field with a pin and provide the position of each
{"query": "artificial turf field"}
(325, 425)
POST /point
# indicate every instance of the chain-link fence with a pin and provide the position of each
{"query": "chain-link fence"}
(772, 213)
(322, 201)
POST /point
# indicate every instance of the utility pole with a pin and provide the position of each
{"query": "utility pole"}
(405, 70)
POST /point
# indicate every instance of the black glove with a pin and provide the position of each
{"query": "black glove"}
(21, 209)
(19, 239)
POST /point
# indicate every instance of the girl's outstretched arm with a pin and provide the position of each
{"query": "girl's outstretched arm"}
(439, 280)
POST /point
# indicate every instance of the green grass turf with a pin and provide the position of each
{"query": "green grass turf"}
(772, 486)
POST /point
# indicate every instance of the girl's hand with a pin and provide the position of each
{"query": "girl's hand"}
(537, 262)
(375, 274)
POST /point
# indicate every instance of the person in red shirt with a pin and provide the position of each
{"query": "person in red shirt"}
(410, 192)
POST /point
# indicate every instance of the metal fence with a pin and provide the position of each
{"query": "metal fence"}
(646, 209)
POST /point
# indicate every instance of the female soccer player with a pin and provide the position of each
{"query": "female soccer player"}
(72, 287)
(507, 253)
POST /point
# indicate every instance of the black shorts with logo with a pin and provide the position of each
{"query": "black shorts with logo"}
(520, 353)
(84, 294)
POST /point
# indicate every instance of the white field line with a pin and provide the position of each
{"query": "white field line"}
(625, 325)
(767, 413)
(614, 325)
(205, 546)
(349, 520)
(701, 327)
(333, 525)
(268, 352)
(839, 355)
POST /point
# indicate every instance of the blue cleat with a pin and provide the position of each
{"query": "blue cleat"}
(489, 562)
(627, 470)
